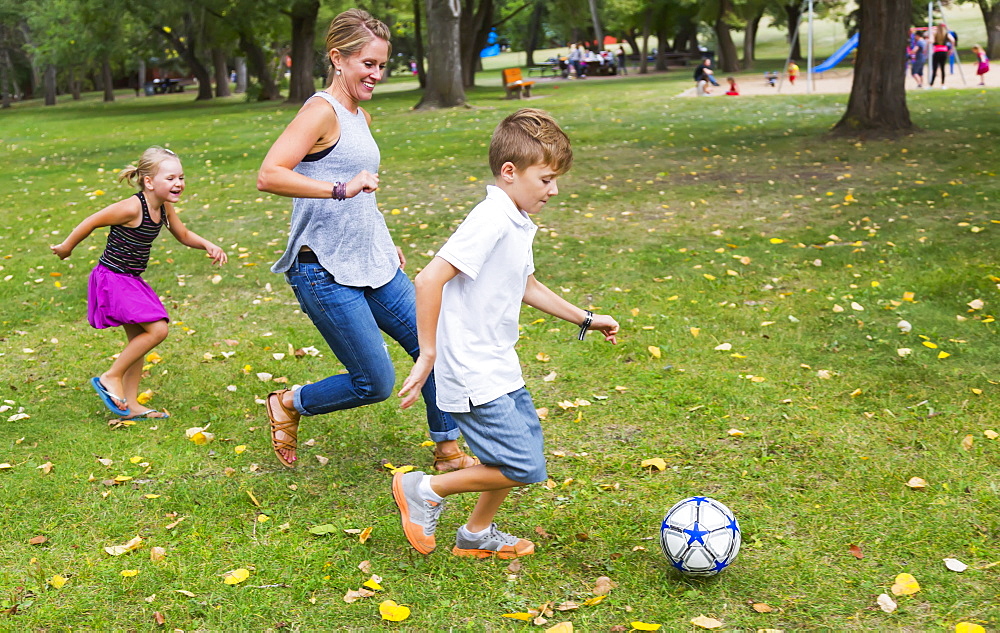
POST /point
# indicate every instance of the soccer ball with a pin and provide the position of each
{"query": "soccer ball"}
(700, 536)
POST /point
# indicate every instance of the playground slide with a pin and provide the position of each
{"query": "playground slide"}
(839, 56)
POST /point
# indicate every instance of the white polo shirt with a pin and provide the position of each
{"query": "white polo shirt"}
(477, 329)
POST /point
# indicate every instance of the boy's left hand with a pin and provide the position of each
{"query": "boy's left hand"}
(607, 326)
(410, 391)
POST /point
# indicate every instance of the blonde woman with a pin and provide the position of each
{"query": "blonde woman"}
(340, 259)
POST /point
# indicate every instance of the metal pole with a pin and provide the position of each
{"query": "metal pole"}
(809, 53)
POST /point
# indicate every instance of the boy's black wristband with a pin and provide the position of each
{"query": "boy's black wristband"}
(585, 325)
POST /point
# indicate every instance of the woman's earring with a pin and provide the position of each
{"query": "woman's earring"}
(337, 72)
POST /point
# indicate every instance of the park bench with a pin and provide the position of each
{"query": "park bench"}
(515, 85)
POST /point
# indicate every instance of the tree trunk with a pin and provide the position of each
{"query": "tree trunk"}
(877, 106)
(418, 35)
(108, 80)
(444, 69)
(49, 79)
(534, 25)
(792, 13)
(643, 59)
(631, 39)
(661, 49)
(750, 40)
(141, 75)
(474, 31)
(598, 29)
(260, 68)
(5, 84)
(728, 60)
(303, 15)
(241, 75)
(991, 16)
(221, 73)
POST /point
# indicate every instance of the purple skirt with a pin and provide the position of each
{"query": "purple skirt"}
(114, 299)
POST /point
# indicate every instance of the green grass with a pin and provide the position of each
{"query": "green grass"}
(666, 197)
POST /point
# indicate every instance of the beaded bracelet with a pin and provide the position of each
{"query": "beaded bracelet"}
(585, 325)
(339, 191)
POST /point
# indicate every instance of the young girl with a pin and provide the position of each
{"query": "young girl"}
(117, 294)
(983, 65)
(733, 90)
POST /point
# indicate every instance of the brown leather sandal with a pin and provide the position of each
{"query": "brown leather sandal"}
(442, 465)
(285, 420)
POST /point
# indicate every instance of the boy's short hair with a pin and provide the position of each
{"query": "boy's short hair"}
(530, 137)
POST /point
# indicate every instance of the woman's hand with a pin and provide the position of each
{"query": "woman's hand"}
(402, 258)
(364, 182)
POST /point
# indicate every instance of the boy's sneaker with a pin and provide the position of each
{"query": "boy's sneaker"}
(494, 543)
(419, 516)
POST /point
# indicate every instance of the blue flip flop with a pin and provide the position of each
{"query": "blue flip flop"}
(106, 396)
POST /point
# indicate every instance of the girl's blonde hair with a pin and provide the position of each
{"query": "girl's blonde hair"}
(350, 31)
(149, 164)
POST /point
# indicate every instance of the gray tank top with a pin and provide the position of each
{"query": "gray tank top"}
(349, 236)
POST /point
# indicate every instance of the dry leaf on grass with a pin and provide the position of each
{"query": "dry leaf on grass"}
(706, 622)
(856, 552)
(603, 586)
(118, 550)
(955, 565)
(886, 603)
(916, 483)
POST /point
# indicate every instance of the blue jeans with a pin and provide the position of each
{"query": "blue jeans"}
(352, 320)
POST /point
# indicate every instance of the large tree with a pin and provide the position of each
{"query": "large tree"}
(991, 17)
(444, 66)
(877, 106)
(303, 14)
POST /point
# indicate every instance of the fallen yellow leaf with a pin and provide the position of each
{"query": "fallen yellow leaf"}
(239, 449)
(526, 617)
(365, 534)
(695, 331)
(589, 602)
(654, 462)
(967, 442)
(905, 585)
(57, 581)
(968, 627)
(643, 626)
(373, 583)
(235, 576)
(130, 573)
(393, 612)
(654, 351)
(562, 627)
(916, 483)
(542, 356)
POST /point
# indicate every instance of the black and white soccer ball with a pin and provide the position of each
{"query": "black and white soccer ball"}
(700, 536)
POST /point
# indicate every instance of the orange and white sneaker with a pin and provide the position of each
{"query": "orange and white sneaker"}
(493, 543)
(418, 515)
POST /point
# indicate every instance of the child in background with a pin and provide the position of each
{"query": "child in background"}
(117, 295)
(468, 305)
(733, 90)
(793, 72)
(983, 65)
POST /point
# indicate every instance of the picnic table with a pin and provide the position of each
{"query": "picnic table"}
(542, 68)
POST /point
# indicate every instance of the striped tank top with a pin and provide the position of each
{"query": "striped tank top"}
(127, 251)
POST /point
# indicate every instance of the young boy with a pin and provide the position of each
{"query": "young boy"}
(468, 303)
